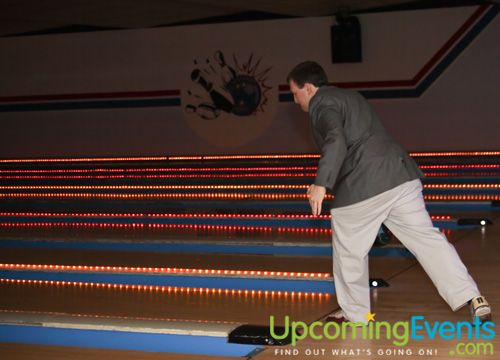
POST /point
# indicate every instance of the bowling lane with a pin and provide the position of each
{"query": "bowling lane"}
(138, 235)
(190, 305)
(181, 306)
(56, 256)
(185, 305)
(194, 308)
(39, 352)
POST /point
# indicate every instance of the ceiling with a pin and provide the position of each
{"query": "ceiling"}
(32, 17)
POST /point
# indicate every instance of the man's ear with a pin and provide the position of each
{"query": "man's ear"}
(308, 87)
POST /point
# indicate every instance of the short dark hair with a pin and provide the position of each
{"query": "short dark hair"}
(308, 72)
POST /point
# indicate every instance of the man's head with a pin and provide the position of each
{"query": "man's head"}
(304, 80)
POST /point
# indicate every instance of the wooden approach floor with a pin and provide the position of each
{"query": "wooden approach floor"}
(411, 293)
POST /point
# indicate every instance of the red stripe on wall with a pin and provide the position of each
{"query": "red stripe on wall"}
(446, 47)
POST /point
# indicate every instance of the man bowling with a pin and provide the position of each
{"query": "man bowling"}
(374, 182)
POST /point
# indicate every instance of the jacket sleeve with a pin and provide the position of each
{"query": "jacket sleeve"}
(329, 126)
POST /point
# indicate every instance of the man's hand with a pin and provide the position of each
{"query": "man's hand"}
(316, 194)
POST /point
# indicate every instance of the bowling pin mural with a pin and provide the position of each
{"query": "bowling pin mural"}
(219, 101)
(228, 99)
(231, 88)
(227, 72)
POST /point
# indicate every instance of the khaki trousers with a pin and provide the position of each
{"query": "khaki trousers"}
(402, 210)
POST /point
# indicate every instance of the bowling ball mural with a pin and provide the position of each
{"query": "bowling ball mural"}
(229, 101)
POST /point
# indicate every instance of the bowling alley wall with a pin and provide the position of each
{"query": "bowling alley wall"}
(431, 75)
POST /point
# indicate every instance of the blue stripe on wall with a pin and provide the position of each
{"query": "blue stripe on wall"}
(82, 105)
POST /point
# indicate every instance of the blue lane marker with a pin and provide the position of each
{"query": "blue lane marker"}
(122, 340)
(212, 248)
(191, 281)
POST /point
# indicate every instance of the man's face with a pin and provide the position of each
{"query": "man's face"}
(301, 96)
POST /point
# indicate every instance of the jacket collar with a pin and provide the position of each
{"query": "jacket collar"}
(316, 99)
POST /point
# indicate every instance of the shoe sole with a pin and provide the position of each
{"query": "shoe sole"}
(484, 314)
(336, 319)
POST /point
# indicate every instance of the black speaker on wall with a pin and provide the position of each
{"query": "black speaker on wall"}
(346, 40)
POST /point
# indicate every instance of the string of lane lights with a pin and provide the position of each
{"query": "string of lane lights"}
(215, 187)
(159, 176)
(172, 289)
(219, 169)
(201, 227)
(166, 271)
(188, 216)
(234, 196)
(156, 170)
(114, 317)
(233, 157)
(153, 187)
(214, 175)
(461, 174)
(222, 196)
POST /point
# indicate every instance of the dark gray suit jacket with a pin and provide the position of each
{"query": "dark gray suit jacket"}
(359, 159)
